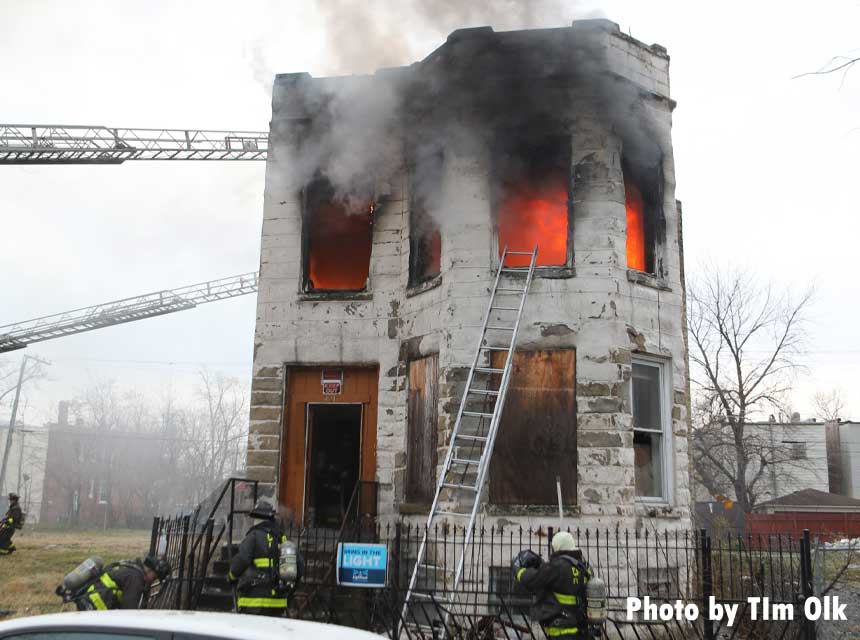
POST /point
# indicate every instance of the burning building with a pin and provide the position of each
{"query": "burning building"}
(389, 199)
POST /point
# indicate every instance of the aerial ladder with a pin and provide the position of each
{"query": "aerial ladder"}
(73, 144)
(464, 472)
(150, 305)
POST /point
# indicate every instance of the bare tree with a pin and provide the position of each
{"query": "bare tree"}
(836, 63)
(829, 405)
(745, 337)
(129, 458)
(9, 372)
(214, 433)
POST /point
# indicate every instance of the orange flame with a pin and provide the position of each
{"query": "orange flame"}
(339, 247)
(635, 226)
(535, 214)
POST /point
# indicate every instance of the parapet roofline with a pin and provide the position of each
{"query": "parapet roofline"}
(488, 37)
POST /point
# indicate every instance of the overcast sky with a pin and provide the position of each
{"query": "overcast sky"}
(766, 165)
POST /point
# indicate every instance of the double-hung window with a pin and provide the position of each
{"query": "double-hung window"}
(652, 435)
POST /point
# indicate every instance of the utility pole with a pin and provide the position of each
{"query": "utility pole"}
(14, 415)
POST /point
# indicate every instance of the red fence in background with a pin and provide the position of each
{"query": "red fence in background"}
(827, 525)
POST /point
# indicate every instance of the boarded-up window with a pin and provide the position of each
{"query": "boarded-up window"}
(421, 440)
(537, 436)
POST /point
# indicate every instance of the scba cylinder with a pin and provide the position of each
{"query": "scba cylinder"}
(83, 573)
(595, 596)
(288, 566)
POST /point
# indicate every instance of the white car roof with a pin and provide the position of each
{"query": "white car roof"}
(233, 626)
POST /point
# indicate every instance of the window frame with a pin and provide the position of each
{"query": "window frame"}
(503, 137)
(797, 450)
(653, 212)
(307, 213)
(667, 449)
(104, 492)
(435, 161)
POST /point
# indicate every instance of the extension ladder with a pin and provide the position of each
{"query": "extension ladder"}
(470, 448)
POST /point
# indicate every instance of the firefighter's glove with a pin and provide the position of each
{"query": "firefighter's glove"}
(231, 578)
(526, 559)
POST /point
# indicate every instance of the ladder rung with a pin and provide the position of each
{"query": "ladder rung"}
(426, 596)
(484, 392)
(453, 485)
(462, 436)
(435, 567)
(505, 308)
(489, 370)
(515, 269)
(519, 253)
(477, 414)
(454, 513)
(500, 328)
(496, 348)
(464, 461)
(506, 289)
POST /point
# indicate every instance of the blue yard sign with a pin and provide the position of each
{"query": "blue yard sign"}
(361, 565)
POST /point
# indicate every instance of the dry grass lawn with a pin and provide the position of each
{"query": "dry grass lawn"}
(29, 576)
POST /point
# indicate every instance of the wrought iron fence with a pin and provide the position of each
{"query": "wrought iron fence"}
(189, 542)
(666, 566)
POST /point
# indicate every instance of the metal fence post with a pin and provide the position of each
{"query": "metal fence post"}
(395, 583)
(183, 550)
(707, 582)
(806, 582)
(153, 538)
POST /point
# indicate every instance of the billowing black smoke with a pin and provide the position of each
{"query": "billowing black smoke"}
(480, 83)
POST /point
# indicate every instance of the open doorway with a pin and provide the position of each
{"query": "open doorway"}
(334, 461)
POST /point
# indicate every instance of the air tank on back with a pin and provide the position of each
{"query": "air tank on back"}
(83, 573)
(595, 597)
(288, 565)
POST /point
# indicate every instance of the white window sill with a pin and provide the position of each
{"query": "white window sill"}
(657, 509)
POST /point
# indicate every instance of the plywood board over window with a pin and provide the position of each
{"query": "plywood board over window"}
(537, 435)
(421, 442)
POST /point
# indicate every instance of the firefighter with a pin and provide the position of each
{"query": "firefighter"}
(122, 584)
(12, 521)
(260, 572)
(559, 586)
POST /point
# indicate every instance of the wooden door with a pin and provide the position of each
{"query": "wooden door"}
(304, 386)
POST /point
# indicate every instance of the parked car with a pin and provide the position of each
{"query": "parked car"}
(171, 625)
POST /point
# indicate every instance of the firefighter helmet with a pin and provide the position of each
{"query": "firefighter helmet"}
(563, 541)
(159, 566)
(264, 510)
(526, 559)
(13, 497)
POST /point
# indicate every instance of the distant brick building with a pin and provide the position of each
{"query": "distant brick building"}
(89, 477)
